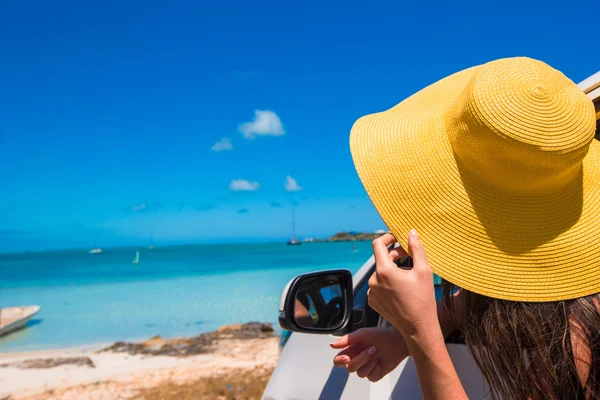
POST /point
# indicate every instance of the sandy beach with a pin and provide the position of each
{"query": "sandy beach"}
(225, 368)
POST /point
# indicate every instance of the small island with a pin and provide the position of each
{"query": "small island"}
(352, 236)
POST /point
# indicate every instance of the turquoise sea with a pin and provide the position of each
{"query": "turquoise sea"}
(174, 291)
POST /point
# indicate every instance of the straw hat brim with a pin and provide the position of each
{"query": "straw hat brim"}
(508, 247)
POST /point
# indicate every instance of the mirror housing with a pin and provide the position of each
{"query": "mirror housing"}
(307, 286)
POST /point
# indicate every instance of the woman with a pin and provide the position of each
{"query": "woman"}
(497, 169)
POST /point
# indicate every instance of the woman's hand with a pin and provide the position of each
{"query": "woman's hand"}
(406, 298)
(371, 352)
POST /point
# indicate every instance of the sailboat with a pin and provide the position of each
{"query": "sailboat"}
(151, 247)
(136, 260)
(293, 240)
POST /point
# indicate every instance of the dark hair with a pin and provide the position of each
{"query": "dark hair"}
(526, 350)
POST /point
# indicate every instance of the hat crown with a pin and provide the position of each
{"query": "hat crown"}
(521, 126)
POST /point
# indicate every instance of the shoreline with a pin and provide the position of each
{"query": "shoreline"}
(78, 347)
(95, 346)
(90, 372)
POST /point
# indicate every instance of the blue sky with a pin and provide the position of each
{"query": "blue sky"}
(111, 112)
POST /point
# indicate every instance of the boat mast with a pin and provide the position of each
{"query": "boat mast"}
(293, 222)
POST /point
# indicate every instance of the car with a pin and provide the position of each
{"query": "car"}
(335, 303)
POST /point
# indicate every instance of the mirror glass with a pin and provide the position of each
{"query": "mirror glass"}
(320, 302)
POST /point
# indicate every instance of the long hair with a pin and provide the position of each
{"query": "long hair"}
(532, 350)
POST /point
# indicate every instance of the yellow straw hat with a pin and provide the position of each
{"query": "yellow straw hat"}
(497, 169)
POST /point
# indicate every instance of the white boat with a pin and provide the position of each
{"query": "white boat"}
(13, 318)
(136, 260)
(293, 240)
(96, 251)
(151, 247)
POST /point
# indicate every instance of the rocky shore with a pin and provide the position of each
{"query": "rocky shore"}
(203, 343)
(233, 362)
(352, 237)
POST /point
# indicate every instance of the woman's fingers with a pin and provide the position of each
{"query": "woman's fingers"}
(355, 337)
(380, 249)
(366, 369)
(340, 360)
(396, 253)
(353, 345)
(357, 362)
(343, 357)
(342, 342)
(417, 251)
(375, 374)
(372, 280)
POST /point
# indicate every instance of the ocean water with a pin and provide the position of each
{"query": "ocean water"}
(174, 291)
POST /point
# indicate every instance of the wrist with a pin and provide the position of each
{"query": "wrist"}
(425, 339)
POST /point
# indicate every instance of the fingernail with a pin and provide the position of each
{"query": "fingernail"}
(345, 359)
(371, 350)
(413, 234)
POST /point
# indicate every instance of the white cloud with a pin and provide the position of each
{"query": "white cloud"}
(243, 185)
(222, 145)
(265, 123)
(154, 206)
(291, 185)
(139, 207)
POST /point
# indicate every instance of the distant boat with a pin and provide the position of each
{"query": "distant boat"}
(151, 247)
(95, 250)
(136, 260)
(14, 318)
(293, 240)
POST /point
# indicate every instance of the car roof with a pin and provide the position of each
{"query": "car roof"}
(591, 86)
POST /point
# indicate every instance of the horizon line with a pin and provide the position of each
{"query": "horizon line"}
(86, 250)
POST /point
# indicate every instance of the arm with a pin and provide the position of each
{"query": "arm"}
(407, 300)
(436, 373)
(389, 346)
(386, 344)
(302, 315)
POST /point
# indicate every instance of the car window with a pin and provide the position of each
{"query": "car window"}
(371, 317)
(360, 295)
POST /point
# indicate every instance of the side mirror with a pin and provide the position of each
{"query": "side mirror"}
(318, 302)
